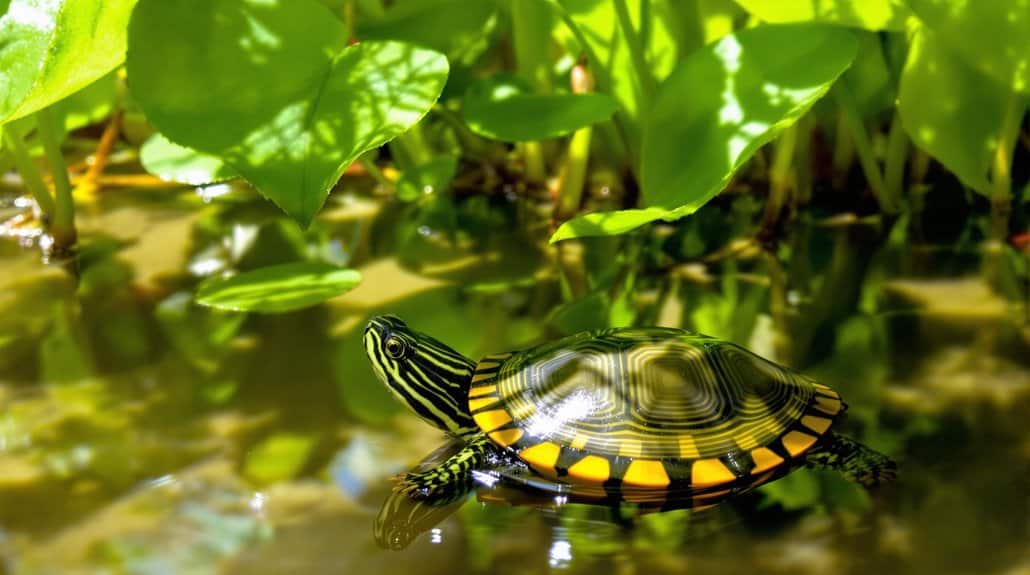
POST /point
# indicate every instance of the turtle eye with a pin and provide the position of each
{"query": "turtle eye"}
(395, 347)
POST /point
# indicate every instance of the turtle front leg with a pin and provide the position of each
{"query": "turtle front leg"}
(452, 477)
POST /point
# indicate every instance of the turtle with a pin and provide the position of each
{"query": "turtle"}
(625, 413)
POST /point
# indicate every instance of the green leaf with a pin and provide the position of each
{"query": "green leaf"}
(730, 98)
(52, 49)
(868, 14)
(271, 89)
(502, 107)
(611, 223)
(717, 109)
(279, 288)
(454, 27)
(170, 161)
(428, 178)
(991, 35)
(951, 110)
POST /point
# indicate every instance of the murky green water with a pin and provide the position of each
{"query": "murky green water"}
(140, 433)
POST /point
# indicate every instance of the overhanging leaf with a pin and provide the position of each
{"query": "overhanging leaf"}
(611, 223)
(951, 110)
(729, 99)
(271, 89)
(277, 289)
(503, 108)
(991, 35)
(717, 109)
(52, 49)
(170, 161)
(868, 14)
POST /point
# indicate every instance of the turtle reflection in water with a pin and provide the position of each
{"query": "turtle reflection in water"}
(650, 415)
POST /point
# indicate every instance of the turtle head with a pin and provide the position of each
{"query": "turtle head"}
(429, 377)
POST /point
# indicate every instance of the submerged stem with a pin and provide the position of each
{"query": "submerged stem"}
(62, 226)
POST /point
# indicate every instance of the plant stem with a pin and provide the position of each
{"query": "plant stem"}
(62, 226)
(780, 176)
(1001, 180)
(531, 36)
(373, 170)
(89, 183)
(30, 175)
(687, 25)
(642, 72)
(803, 160)
(570, 193)
(897, 155)
(864, 147)
(843, 147)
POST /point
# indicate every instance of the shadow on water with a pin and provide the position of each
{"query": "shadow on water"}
(142, 433)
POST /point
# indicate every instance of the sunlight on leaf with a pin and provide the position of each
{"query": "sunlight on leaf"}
(611, 223)
(501, 107)
(270, 88)
(279, 288)
(991, 35)
(935, 87)
(729, 99)
(868, 14)
(52, 49)
(717, 109)
(170, 161)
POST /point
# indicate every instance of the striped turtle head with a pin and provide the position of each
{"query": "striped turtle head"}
(429, 377)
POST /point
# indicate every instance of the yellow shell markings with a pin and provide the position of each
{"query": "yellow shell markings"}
(603, 400)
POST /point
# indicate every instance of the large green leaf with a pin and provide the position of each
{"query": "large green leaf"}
(992, 35)
(52, 49)
(717, 108)
(502, 107)
(951, 110)
(271, 89)
(727, 100)
(869, 14)
(454, 27)
(170, 161)
(279, 288)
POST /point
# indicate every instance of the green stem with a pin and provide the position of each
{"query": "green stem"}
(30, 175)
(531, 37)
(779, 176)
(63, 225)
(803, 159)
(687, 26)
(571, 193)
(533, 153)
(641, 70)
(864, 147)
(843, 147)
(415, 143)
(1001, 180)
(897, 155)
(373, 170)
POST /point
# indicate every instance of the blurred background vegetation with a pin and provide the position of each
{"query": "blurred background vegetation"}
(185, 188)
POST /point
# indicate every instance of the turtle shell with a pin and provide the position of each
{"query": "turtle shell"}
(649, 408)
